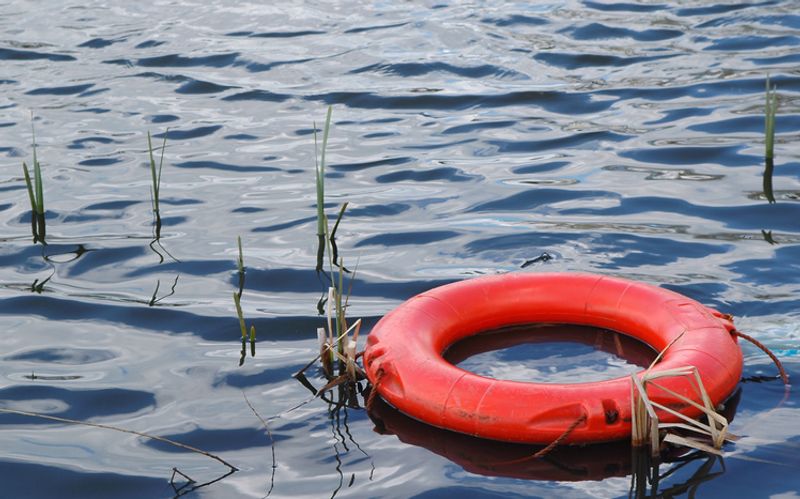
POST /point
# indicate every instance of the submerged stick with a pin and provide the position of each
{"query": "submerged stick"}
(271, 441)
(123, 430)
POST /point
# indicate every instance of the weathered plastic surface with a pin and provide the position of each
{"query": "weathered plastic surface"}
(405, 351)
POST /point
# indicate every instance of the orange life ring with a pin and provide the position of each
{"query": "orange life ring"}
(404, 362)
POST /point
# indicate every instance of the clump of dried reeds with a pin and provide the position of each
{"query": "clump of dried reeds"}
(646, 428)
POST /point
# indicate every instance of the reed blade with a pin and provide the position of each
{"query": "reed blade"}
(325, 133)
(770, 110)
(37, 174)
(154, 179)
(240, 260)
(319, 172)
(769, 166)
(332, 238)
(240, 315)
(29, 185)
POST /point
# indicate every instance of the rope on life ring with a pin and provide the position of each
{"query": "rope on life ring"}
(555, 443)
(781, 370)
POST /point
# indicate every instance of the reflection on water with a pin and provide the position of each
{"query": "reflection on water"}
(614, 137)
(592, 463)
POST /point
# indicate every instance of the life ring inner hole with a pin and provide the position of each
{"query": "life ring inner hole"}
(551, 353)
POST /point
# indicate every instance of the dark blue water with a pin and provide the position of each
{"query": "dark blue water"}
(623, 138)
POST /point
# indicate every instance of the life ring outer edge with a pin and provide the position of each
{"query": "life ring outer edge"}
(406, 348)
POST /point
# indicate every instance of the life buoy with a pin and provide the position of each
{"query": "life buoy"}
(403, 359)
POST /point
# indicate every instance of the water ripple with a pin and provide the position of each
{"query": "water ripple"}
(403, 238)
(28, 482)
(363, 29)
(216, 165)
(753, 43)
(217, 440)
(178, 60)
(444, 173)
(418, 69)
(516, 20)
(73, 404)
(625, 7)
(66, 90)
(257, 95)
(30, 55)
(276, 34)
(691, 155)
(753, 216)
(598, 31)
(192, 133)
(354, 167)
(570, 103)
(98, 43)
(64, 355)
(718, 9)
(534, 198)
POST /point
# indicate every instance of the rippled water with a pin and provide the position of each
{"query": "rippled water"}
(469, 138)
(551, 354)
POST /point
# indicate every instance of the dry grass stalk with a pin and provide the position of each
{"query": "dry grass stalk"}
(644, 421)
(341, 347)
(324, 347)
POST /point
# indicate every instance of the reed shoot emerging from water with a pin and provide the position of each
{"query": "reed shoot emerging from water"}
(35, 194)
(155, 174)
(322, 219)
(237, 301)
(337, 342)
(240, 265)
(770, 110)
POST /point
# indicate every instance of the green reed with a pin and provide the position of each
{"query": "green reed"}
(335, 341)
(237, 301)
(252, 336)
(240, 258)
(319, 171)
(35, 193)
(155, 174)
(770, 110)
(240, 265)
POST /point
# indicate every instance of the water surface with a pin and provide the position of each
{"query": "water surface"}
(471, 138)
